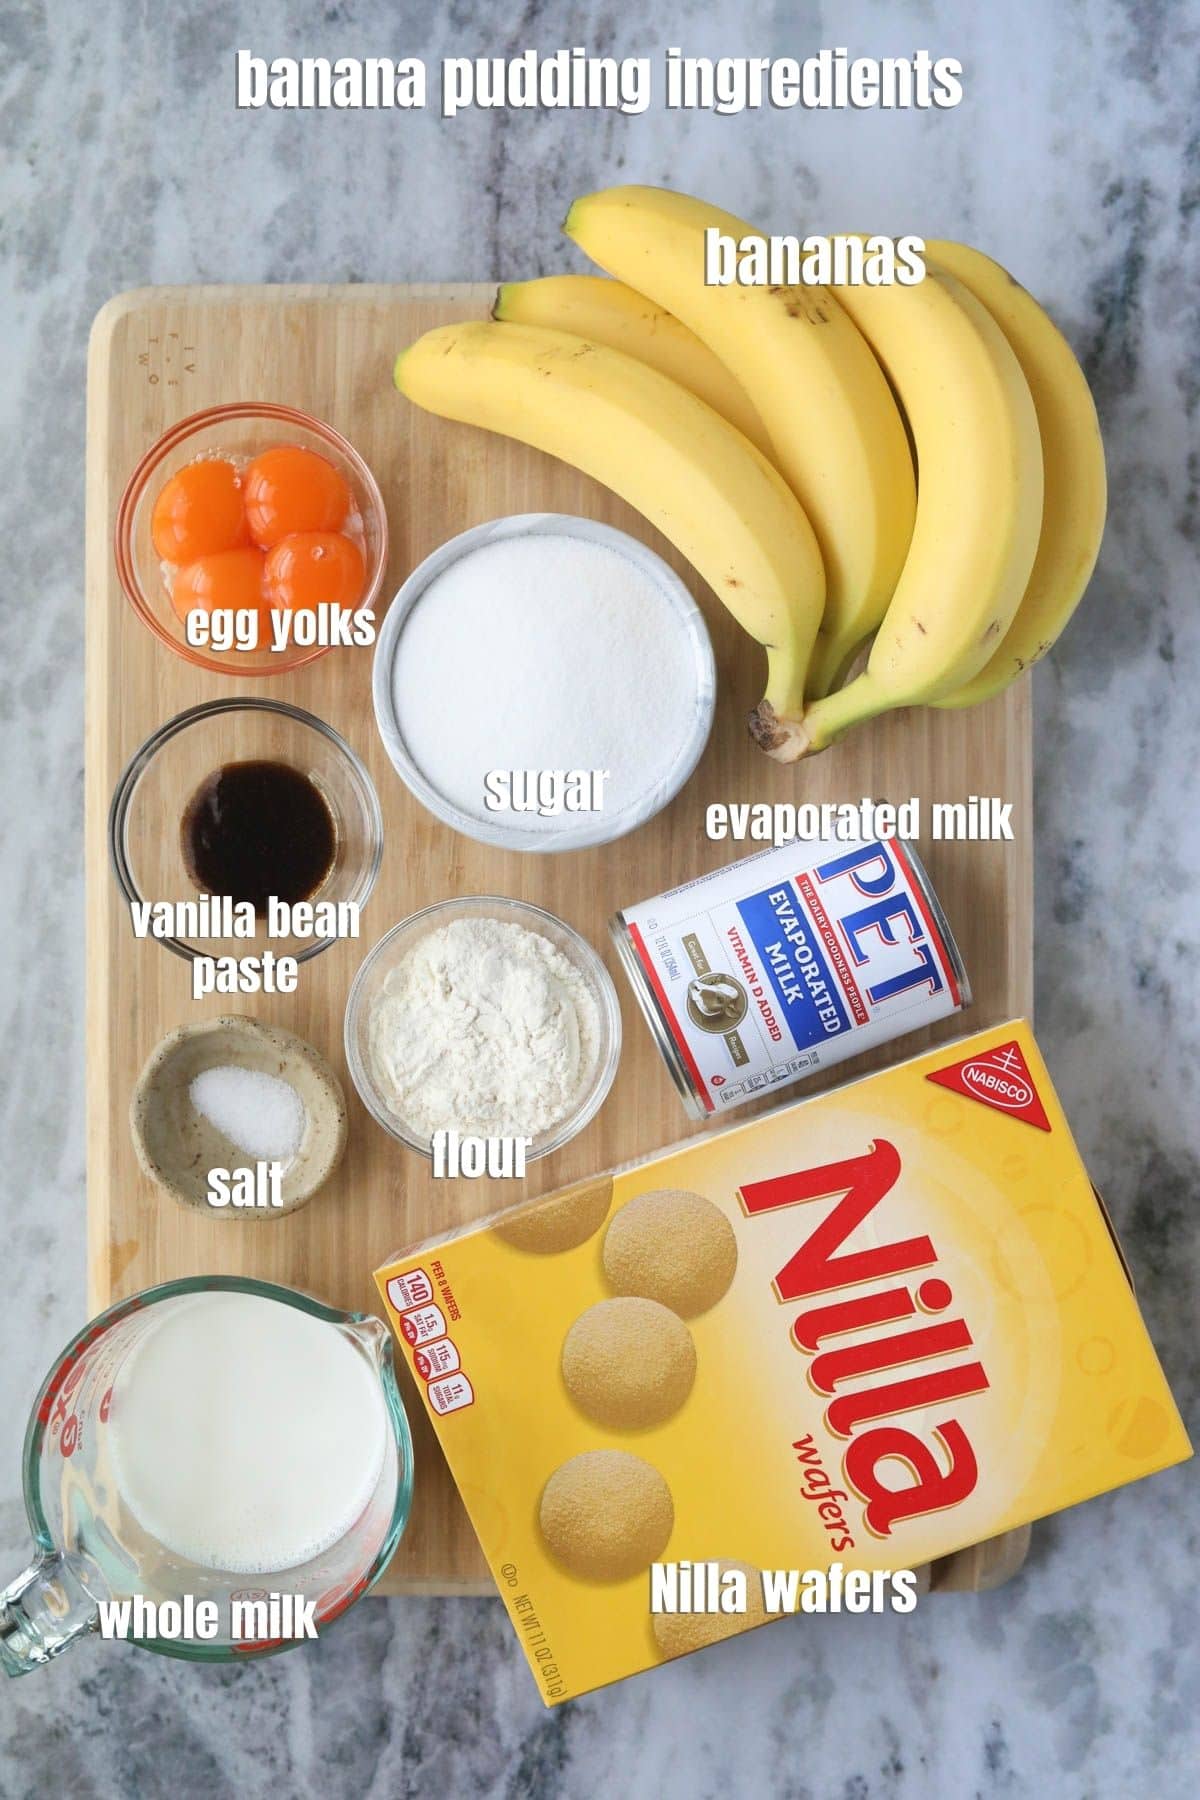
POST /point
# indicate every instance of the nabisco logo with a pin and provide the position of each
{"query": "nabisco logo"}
(990, 1084)
(998, 1077)
(938, 1466)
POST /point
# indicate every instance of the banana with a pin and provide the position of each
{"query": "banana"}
(835, 429)
(690, 473)
(1073, 454)
(979, 506)
(610, 313)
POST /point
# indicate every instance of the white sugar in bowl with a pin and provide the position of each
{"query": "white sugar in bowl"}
(544, 683)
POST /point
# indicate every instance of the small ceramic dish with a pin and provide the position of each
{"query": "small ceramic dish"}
(177, 1146)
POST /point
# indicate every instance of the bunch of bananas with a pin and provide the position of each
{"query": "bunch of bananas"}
(917, 468)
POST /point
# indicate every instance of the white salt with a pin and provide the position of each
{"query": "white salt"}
(545, 651)
(261, 1114)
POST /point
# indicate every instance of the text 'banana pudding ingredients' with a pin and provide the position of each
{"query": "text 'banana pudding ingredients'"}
(571, 78)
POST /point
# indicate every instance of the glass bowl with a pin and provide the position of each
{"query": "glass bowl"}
(578, 831)
(392, 948)
(240, 430)
(144, 821)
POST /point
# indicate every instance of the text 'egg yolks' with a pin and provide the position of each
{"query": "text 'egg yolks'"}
(291, 489)
(311, 567)
(232, 578)
(198, 511)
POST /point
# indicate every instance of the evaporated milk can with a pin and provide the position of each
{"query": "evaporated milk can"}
(778, 965)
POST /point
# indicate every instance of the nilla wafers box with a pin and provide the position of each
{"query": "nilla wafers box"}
(869, 1328)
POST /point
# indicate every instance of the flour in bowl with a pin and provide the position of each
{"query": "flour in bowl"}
(486, 1028)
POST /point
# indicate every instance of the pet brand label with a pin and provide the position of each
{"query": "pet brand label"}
(765, 971)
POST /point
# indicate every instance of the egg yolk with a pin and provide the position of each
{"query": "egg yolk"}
(310, 567)
(232, 578)
(290, 489)
(198, 511)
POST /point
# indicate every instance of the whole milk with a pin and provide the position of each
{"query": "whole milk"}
(246, 1434)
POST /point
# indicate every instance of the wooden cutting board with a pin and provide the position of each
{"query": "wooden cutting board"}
(159, 354)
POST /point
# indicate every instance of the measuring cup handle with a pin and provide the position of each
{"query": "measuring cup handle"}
(42, 1613)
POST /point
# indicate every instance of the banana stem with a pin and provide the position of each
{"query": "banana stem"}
(787, 671)
(832, 660)
(775, 721)
(827, 718)
(782, 737)
(788, 730)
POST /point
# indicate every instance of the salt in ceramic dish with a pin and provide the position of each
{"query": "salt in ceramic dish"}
(177, 1145)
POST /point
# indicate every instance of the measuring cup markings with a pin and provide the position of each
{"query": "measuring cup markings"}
(90, 1545)
(74, 1386)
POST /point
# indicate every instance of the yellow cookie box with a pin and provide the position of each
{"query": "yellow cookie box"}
(928, 1339)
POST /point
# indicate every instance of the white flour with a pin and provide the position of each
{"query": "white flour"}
(484, 1028)
(545, 652)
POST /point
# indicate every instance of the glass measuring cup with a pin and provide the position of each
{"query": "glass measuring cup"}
(89, 1546)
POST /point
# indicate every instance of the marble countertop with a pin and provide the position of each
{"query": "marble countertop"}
(1073, 159)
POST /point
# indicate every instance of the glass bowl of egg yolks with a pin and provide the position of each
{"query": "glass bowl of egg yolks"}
(245, 511)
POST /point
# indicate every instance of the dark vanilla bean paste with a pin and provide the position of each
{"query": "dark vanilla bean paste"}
(256, 829)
